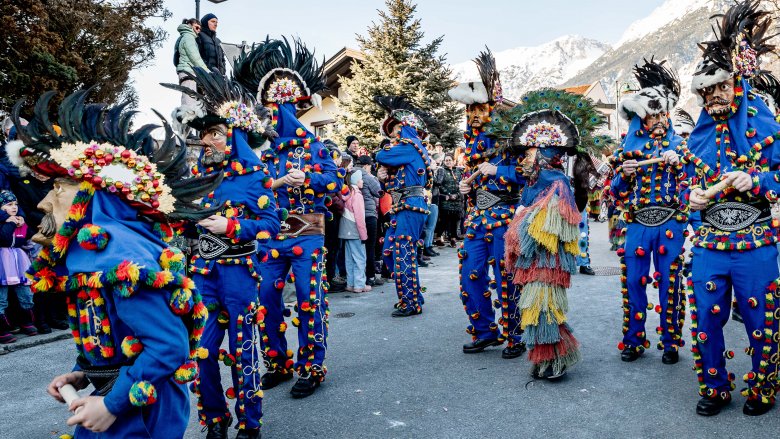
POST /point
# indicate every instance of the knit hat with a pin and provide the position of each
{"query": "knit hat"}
(364, 160)
(349, 140)
(204, 23)
(355, 178)
(6, 197)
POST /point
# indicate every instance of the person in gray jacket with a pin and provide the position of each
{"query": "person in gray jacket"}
(188, 56)
(372, 190)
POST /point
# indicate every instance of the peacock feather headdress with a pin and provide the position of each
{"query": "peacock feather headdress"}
(400, 110)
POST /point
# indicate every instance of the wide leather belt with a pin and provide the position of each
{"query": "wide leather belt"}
(212, 247)
(654, 215)
(488, 199)
(404, 193)
(730, 216)
(103, 378)
(303, 224)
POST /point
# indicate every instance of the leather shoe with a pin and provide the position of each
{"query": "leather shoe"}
(513, 351)
(754, 407)
(629, 354)
(273, 379)
(479, 345)
(59, 324)
(405, 312)
(711, 406)
(421, 263)
(430, 252)
(304, 387)
(249, 433)
(219, 430)
(378, 281)
(670, 357)
(585, 269)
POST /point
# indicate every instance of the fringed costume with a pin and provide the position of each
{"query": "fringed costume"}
(492, 204)
(135, 316)
(734, 247)
(542, 239)
(655, 220)
(409, 174)
(225, 266)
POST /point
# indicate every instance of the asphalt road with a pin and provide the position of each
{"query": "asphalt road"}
(407, 378)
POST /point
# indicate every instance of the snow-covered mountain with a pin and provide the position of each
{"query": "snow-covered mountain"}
(528, 68)
(670, 32)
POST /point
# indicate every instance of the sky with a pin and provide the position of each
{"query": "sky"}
(467, 26)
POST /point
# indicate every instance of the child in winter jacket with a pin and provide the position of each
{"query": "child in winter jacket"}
(14, 262)
(352, 229)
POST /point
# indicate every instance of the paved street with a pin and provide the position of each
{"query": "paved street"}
(407, 378)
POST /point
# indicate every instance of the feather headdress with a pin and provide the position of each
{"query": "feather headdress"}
(97, 145)
(683, 122)
(487, 90)
(659, 93)
(400, 110)
(768, 87)
(741, 37)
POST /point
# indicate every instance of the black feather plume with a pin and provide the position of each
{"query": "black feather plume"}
(652, 74)
(488, 72)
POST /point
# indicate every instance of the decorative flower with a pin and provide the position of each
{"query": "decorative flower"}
(283, 90)
(239, 115)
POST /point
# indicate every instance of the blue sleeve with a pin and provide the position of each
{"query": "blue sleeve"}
(324, 176)
(397, 155)
(265, 219)
(511, 173)
(767, 181)
(163, 337)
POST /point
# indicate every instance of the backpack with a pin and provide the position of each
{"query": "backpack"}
(176, 52)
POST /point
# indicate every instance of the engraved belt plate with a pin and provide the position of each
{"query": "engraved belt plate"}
(731, 216)
(654, 216)
(486, 200)
(210, 247)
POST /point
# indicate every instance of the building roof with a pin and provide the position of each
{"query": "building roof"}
(340, 64)
(581, 90)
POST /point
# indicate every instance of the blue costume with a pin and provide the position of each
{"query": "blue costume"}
(491, 208)
(225, 265)
(135, 317)
(287, 79)
(735, 245)
(230, 283)
(660, 239)
(409, 159)
(656, 223)
(304, 253)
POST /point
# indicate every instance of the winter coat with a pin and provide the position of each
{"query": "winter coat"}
(353, 221)
(211, 49)
(189, 53)
(449, 194)
(371, 192)
(10, 235)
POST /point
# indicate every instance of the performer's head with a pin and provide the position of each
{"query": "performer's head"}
(741, 38)
(767, 86)
(659, 93)
(683, 123)
(215, 150)
(480, 97)
(401, 113)
(545, 137)
(96, 154)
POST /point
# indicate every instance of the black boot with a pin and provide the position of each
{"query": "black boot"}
(27, 322)
(249, 433)
(585, 269)
(219, 430)
(430, 252)
(630, 354)
(712, 406)
(670, 357)
(5, 331)
(513, 351)
(305, 387)
(273, 379)
(406, 312)
(754, 407)
(421, 263)
(479, 345)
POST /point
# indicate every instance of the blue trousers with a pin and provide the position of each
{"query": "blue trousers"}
(430, 224)
(230, 294)
(400, 256)
(356, 263)
(663, 246)
(752, 276)
(305, 256)
(583, 259)
(482, 250)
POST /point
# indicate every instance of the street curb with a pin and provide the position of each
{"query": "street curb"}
(34, 341)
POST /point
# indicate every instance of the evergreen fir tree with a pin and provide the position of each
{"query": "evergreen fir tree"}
(397, 63)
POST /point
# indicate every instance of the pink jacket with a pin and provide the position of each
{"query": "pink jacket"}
(355, 210)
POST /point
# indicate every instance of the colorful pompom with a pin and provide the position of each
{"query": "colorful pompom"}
(172, 259)
(186, 373)
(181, 301)
(92, 237)
(143, 393)
(131, 346)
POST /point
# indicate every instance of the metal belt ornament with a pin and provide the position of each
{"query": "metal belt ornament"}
(402, 194)
(654, 216)
(487, 199)
(731, 216)
(211, 247)
(294, 226)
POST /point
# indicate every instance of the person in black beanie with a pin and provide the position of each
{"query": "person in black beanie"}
(209, 45)
(353, 147)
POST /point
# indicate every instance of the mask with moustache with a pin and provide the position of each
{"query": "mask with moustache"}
(216, 158)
